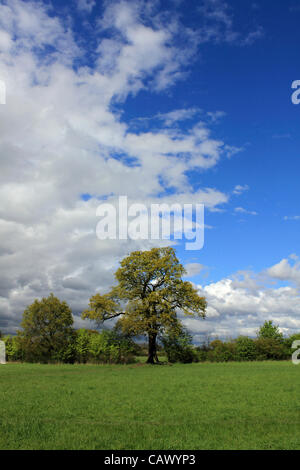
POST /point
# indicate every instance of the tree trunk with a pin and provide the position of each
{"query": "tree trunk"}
(152, 353)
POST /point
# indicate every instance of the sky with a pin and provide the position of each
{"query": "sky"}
(175, 101)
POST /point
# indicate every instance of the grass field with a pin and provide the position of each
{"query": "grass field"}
(197, 406)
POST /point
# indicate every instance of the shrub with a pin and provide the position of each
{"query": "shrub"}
(221, 352)
(202, 353)
(105, 347)
(13, 348)
(82, 344)
(271, 349)
(245, 349)
(288, 342)
(179, 348)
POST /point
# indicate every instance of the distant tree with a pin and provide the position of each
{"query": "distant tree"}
(149, 293)
(271, 349)
(179, 347)
(270, 331)
(220, 351)
(290, 340)
(47, 331)
(215, 344)
(245, 348)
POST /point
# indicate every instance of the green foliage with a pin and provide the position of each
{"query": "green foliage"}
(271, 349)
(47, 333)
(245, 349)
(179, 347)
(109, 347)
(269, 345)
(221, 352)
(13, 348)
(149, 292)
(82, 344)
(288, 342)
(269, 331)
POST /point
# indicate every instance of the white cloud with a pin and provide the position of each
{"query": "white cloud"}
(241, 210)
(219, 25)
(138, 51)
(193, 269)
(240, 189)
(177, 115)
(61, 136)
(231, 150)
(240, 304)
(284, 271)
(27, 26)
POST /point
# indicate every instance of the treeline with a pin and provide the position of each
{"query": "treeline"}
(83, 346)
(48, 336)
(269, 344)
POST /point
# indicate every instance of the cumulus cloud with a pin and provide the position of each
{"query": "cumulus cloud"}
(62, 136)
(240, 304)
(286, 271)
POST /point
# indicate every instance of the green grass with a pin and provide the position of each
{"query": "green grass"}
(197, 406)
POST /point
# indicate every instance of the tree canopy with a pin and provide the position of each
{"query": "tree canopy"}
(270, 331)
(149, 294)
(47, 329)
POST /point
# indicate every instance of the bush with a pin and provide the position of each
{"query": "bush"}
(221, 352)
(202, 353)
(13, 348)
(105, 347)
(245, 349)
(271, 349)
(288, 342)
(82, 344)
(179, 347)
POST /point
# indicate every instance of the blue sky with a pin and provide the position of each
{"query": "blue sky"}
(251, 84)
(163, 102)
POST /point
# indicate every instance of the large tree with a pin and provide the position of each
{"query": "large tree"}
(148, 296)
(47, 331)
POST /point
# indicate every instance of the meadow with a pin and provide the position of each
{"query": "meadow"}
(194, 406)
